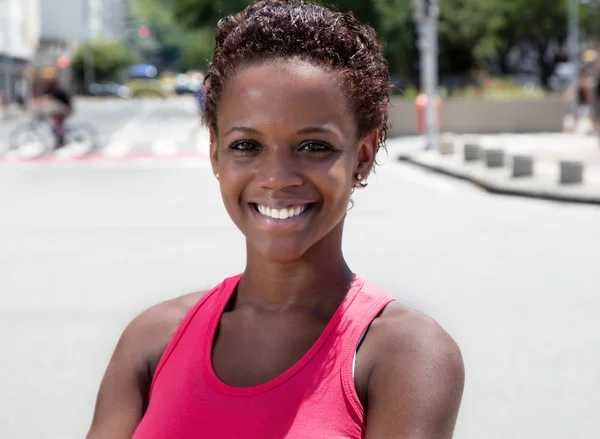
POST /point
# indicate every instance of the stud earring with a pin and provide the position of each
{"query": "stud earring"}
(358, 177)
(217, 175)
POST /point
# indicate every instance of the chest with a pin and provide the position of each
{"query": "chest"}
(249, 351)
(187, 401)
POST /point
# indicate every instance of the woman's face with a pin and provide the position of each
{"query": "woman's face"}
(287, 154)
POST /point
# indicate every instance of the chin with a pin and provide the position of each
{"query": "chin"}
(277, 251)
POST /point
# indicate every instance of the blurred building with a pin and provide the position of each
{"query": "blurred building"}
(66, 24)
(80, 20)
(20, 27)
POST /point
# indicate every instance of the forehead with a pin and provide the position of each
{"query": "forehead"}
(284, 93)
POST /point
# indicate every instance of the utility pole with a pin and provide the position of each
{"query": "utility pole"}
(7, 64)
(426, 14)
(574, 52)
(88, 71)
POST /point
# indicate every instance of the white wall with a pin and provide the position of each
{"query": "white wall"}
(64, 19)
(20, 27)
(80, 20)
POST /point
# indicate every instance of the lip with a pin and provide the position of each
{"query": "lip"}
(288, 224)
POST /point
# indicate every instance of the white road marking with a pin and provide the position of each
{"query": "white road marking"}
(146, 109)
(117, 148)
(71, 150)
(31, 149)
(201, 138)
(164, 147)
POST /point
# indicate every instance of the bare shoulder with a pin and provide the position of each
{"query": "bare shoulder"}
(156, 325)
(401, 330)
(123, 395)
(417, 376)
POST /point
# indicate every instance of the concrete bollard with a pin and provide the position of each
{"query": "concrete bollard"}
(447, 144)
(471, 151)
(494, 157)
(571, 172)
(522, 166)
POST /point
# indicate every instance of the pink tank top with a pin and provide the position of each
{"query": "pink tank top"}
(315, 398)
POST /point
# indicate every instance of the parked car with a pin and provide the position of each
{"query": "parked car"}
(185, 85)
(562, 78)
(147, 88)
(110, 89)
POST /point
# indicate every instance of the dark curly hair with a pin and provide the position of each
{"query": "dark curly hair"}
(337, 41)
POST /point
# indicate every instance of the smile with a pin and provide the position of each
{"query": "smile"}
(284, 213)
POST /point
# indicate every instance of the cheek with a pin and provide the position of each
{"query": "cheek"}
(335, 179)
(231, 186)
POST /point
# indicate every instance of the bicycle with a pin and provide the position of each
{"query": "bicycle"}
(36, 137)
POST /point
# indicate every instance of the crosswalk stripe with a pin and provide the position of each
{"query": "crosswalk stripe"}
(71, 150)
(164, 147)
(196, 147)
(117, 148)
(202, 141)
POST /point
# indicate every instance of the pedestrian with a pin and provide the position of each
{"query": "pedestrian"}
(298, 345)
(57, 104)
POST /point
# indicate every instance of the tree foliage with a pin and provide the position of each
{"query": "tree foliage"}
(109, 59)
(473, 34)
(175, 44)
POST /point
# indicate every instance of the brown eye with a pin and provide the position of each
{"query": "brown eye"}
(245, 146)
(316, 147)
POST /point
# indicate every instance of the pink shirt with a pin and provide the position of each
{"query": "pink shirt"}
(315, 398)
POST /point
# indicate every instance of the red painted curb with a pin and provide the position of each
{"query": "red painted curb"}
(102, 158)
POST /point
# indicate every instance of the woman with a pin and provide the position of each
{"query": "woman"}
(297, 346)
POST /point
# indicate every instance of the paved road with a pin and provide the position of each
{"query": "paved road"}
(86, 246)
(129, 128)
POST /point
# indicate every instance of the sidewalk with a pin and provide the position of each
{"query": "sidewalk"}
(561, 167)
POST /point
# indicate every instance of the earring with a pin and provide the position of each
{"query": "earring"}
(217, 175)
(358, 177)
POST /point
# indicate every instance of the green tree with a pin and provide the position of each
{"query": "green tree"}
(540, 22)
(472, 33)
(109, 59)
(391, 18)
(184, 47)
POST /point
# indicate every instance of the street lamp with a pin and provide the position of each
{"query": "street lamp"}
(88, 17)
(7, 64)
(425, 14)
(573, 44)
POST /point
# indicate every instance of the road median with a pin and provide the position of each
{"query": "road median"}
(518, 166)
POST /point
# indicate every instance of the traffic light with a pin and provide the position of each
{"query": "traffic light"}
(63, 62)
(144, 32)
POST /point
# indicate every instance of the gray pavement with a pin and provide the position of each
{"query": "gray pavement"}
(129, 128)
(86, 246)
(546, 151)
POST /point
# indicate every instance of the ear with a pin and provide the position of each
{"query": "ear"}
(366, 154)
(214, 152)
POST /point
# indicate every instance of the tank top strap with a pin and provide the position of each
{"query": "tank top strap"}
(366, 306)
(210, 300)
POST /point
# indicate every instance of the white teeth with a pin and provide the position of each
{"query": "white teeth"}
(282, 213)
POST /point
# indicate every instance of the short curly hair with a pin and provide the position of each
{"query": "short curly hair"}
(279, 29)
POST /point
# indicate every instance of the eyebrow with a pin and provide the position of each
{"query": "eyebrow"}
(307, 130)
(242, 129)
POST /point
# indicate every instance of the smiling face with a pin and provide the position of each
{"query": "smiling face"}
(287, 153)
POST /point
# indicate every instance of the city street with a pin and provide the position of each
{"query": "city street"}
(87, 245)
(132, 128)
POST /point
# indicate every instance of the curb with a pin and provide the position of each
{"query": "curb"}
(98, 157)
(498, 189)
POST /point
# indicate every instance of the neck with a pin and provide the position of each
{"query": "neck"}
(318, 281)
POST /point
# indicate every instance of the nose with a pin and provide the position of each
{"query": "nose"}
(279, 169)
